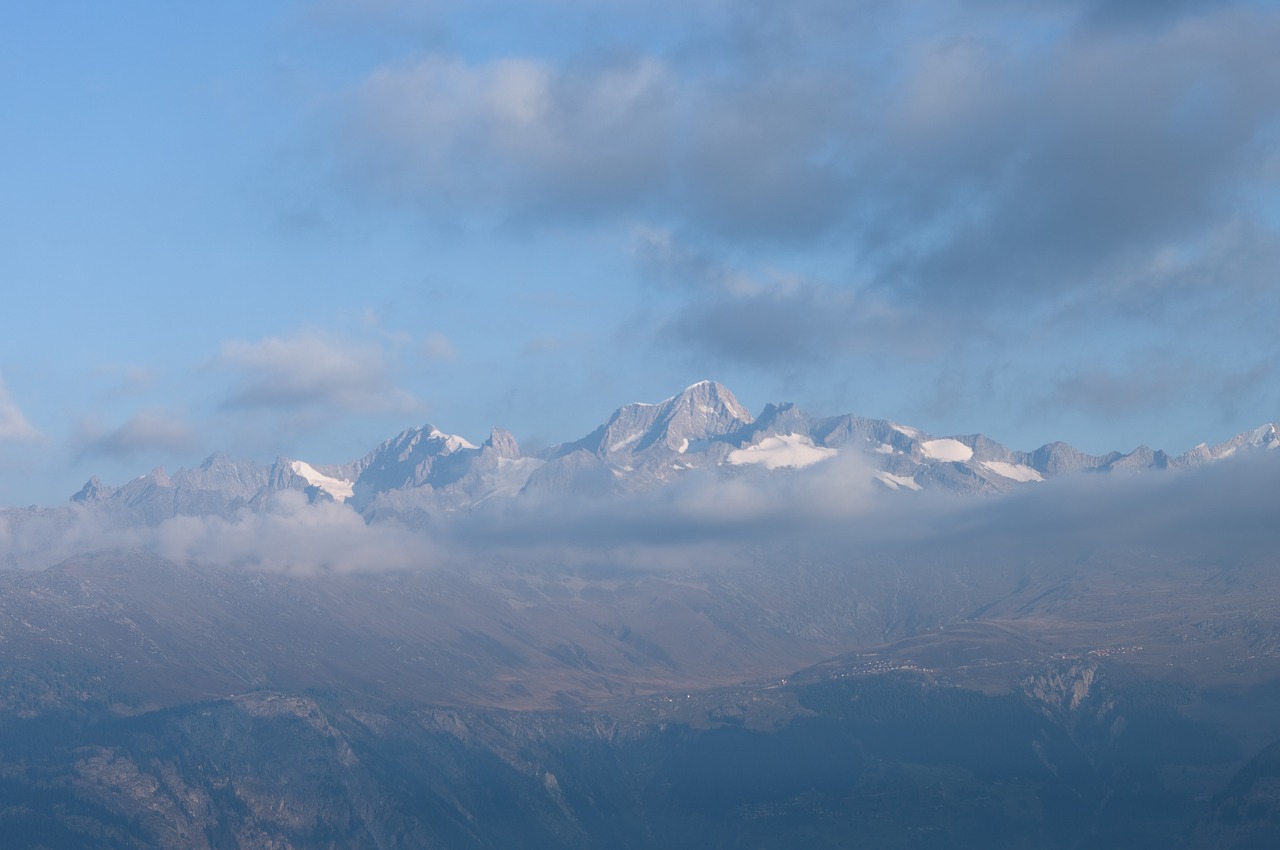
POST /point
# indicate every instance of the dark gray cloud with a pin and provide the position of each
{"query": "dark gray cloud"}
(1150, 380)
(526, 137)
(769, 328)
(1039, 188)
(1140, 13)
(971, 148)
(967, 155)
(769, 318)
(1124, 147)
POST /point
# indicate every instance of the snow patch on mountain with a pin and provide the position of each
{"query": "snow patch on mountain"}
(625, 442)
(338, 488)
(786, 451)
(452, 442)
(895, 482)
(1014, 471)
(946, 450)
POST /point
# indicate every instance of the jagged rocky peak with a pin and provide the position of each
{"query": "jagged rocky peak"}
(711, 407)
(283, 476)
(145, 488)
(93, 490)
(410, 459)
(1058, 458)
(155, 478)
(1262, 437)
(702, 411)
(222, 473)
(502, 444)
(216, 461)
(1143, 457)
(423, 441)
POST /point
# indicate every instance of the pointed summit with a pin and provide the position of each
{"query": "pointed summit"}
(93, 491)
(706, 409)
(220, 473)
(1262, 438)
(423, 456)
(502, 444)
(703, 411)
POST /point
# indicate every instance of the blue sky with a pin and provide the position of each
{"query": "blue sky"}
(300, 227)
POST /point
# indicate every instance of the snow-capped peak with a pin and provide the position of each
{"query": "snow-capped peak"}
(452, 442)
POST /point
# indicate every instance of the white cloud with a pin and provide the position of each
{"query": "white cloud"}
(13, 425)
(313, 369)
(288, 535)
(292, 535)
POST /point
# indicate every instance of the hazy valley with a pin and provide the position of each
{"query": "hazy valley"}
(690, 628)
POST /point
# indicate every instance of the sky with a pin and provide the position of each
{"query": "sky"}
(297, 228)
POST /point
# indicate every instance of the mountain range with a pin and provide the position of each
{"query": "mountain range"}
(689, 628)
(423, 471)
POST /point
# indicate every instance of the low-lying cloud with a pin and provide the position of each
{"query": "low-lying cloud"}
(294, 536)
(287, 534)
(831, 513)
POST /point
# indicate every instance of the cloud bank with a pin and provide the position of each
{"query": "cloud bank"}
(829, 514)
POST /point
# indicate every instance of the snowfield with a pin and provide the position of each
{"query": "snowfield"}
(894, 482)
(335, 487)
(787, 451)
(946, 450)
(1014, 471)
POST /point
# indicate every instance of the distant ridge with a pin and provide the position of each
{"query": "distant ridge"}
(424, 470)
